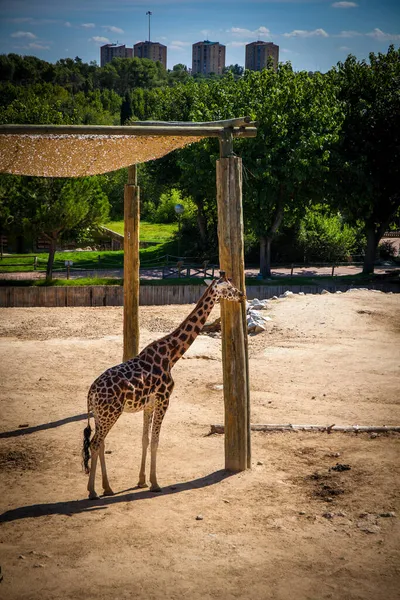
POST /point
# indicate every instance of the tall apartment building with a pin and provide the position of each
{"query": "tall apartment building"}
(208, 57)
(257, 54)
(110, 51)
(152, 50)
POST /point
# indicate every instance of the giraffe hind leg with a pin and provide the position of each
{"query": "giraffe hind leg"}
(104, 420)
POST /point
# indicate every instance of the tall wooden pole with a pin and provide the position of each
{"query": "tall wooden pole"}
(131, 265)
(233, 315)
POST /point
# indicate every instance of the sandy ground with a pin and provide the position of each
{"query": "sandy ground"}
(291, 527)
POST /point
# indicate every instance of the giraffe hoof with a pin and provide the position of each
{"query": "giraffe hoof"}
(155, 488)
(93, 496)
(142, 485)
(108, 492)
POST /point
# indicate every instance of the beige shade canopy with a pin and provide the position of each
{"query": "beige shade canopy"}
(80, 155)
(77, 151)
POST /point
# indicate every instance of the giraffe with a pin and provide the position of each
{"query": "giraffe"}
(144, 383)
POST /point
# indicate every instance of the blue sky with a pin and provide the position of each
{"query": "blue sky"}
(312, 34)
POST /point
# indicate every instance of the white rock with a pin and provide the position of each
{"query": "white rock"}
(325, 292)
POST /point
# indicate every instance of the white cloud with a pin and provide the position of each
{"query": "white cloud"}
(344, 48)
(248, 33)
(112, 29)
(21, 20)
(88, 25)
(24, 34)
(67, 24)
(180, 44)
(307, 34)
(98, 39)
(37, 46)
(344, 5)
(378, 34)
(236, 44)
(348, 34)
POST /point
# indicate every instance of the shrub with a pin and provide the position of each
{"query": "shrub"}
(387, 250)
(326, 238)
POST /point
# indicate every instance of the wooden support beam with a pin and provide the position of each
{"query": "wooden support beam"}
(238, 122)
(131, 265)
(190, 130)
(234, 331)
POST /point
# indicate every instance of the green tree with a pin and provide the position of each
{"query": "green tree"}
(236, 70)
(179, 74)
(53, 207)
(325, 237)
(365, 165)
(126, 109)
(285, 165)
(6, 208)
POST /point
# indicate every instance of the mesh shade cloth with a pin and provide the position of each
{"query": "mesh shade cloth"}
(81, 155)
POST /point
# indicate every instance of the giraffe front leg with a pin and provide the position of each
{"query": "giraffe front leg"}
(147, 420)
(159, 413)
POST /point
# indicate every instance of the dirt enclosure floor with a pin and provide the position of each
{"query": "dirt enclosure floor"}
(292, 527)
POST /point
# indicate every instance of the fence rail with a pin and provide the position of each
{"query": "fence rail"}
(111, 295)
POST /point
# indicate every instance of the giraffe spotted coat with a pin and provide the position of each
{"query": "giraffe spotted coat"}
(144, 383)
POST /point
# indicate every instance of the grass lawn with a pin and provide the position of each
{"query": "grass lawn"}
(90, 260)
(148, 232)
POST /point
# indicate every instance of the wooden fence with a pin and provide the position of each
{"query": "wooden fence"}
(112, 295)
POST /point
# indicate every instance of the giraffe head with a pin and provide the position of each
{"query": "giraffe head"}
(224, 289)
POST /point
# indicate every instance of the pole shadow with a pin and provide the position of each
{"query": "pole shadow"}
(73, 507)
(42, 427)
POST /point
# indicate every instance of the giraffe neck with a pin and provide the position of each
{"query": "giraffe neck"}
(173, 346)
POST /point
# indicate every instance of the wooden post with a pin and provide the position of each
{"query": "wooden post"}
(131, 265)
(233, 315)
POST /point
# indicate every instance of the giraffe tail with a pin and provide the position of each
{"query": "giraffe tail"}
(86, 443)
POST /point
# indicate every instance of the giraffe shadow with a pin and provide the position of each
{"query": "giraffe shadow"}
(74, 507)
(43, 426)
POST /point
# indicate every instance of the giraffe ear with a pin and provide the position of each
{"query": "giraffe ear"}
(208, 281)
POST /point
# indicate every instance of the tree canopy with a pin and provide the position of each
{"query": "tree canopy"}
(365, 164)
(323, 139)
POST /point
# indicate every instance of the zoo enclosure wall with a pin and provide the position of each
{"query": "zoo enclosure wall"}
(110, 295)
